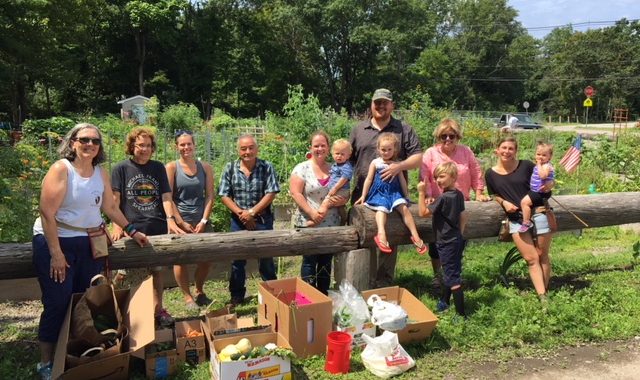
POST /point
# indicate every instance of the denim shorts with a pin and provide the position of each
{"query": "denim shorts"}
(540, 220)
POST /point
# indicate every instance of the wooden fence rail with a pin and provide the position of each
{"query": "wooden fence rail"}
(597, 210)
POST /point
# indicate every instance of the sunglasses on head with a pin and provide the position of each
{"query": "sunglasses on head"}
(87, 140)
(446, 137)
(181, 132)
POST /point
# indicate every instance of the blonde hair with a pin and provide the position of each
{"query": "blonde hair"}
(447, 168)
(545, 145)
(392, 138)
(445, 124)
(342, 143)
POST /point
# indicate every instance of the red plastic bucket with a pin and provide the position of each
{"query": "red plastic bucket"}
(338, 352)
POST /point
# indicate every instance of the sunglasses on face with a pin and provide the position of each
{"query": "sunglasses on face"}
(446, 137)
(87, 140)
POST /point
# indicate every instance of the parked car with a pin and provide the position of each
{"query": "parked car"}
(524, 121)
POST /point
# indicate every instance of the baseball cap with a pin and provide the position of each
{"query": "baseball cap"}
(382, 93)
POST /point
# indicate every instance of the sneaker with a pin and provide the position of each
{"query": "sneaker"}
(164, 318)
(524, 227)
(203, 300)
(442, 306)
(44, 370)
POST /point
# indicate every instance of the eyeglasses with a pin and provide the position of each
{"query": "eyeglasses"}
(446, 137)
(87, 140)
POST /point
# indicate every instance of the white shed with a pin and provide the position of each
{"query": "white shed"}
(133, 108)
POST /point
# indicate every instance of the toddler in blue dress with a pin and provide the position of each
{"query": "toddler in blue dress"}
(385, 196)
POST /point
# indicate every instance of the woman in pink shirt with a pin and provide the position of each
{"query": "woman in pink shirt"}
(448, 134)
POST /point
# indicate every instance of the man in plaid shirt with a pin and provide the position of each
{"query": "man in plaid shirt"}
(247, 187)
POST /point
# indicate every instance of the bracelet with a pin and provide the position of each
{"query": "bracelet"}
(129, 228)
(171, 217)
(133, 233)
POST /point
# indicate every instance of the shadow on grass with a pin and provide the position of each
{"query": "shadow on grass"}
(571, 282)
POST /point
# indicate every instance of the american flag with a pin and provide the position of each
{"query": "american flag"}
(571, 159)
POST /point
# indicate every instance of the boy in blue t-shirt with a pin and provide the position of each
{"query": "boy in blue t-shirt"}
(339, 179)
(449, 219)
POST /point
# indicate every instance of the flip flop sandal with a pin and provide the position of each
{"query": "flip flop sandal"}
(421, 248)
(382, 246)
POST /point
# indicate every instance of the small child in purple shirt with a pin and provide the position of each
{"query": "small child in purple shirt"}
(543, 172)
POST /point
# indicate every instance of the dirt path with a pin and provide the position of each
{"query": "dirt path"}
(619, 360)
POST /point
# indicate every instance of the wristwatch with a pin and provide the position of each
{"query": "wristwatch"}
(251, 212)
(171, 217)
(204, 221)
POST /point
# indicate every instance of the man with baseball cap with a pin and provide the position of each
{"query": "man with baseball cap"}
(364, 140)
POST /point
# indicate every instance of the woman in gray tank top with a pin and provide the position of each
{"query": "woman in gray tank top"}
(192, 184)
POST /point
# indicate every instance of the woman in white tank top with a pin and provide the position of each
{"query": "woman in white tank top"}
(74, 192)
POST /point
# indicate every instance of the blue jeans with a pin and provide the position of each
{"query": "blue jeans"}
(56, 295)
(316, 270)
(267, 266)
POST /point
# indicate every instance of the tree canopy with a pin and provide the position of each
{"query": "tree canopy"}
(59, 56)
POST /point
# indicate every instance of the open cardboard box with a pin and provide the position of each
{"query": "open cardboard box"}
(267, 367)
(305, 323)
(160, 364)
(421, 320)
(223, 323)
(190, 349)
(136, 306)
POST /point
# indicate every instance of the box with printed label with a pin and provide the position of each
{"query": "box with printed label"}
(269, 367)
(298, 311)
(422, 321)
(190, 344)
(136, 306)
(356, 332)
(160, 357)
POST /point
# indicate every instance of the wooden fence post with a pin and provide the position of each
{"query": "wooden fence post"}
(353, 266)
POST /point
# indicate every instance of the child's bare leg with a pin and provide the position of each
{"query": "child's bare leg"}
(525, 206)
(407, 218)
(381, 221)
(324, 206)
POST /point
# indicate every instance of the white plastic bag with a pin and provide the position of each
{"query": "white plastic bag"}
(388, 316)
(384, 356)
(349, 308)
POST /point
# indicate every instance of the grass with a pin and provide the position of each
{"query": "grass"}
(594, 297)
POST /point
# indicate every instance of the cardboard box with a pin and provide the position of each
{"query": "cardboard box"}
(227, 325)
(136, 306)
(421, 320)
(190, 349)
(303, 324)
(267, 367)
(161, 364)
(356, 332)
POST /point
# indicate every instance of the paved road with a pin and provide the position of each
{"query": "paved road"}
(591, 129)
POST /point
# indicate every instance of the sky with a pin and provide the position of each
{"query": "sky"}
(546, 13)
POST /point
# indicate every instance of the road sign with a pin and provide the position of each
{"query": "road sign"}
(588, 102)
(589, 92)
(525, 105)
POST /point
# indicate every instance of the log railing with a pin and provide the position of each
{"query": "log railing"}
(597, 210)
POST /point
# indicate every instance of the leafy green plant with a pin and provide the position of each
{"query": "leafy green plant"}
(512, 257)
(181, 116)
